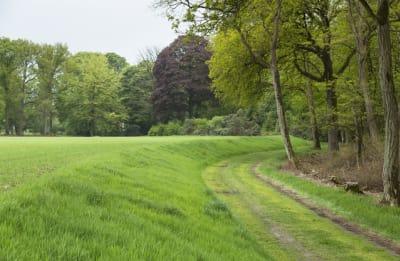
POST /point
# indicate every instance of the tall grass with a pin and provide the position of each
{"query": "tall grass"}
(119, 199)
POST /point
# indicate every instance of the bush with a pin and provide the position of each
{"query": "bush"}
(239, 125)
(198, 127)
(231, 125)
(169, 129)
(156, 130)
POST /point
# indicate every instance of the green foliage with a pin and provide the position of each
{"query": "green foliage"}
(237, 124)
(89, 99)
(136, 88)
(196, 127)
(50, 63)
(236, 79)
(167, 129)
(116, 62)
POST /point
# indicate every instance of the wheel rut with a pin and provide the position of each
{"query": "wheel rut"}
(378, 240)
(285, 224)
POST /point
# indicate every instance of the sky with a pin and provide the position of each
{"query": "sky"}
(126, 27)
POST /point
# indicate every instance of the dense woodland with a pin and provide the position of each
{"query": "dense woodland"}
(330, 64)
(326, 70)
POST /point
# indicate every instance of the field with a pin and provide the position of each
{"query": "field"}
(177, 198)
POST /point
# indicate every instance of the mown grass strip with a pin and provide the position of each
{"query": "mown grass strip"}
(359, 209)
(264, 211)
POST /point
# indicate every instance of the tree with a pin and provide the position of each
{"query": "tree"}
(136, 87)
(8, 77)
(116, 62)
(362, 33)
(50, 64)
(28, 52)
(252, 20)
(89, 104)
(313, 23)
(181, 79)
(17, 64)
(391, 153)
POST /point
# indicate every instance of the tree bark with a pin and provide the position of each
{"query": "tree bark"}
(7, 109)
(276, 82)
(390, 171)
(313, 117)
(391, 152)
(333, 132)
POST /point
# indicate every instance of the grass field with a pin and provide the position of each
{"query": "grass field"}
(119, 198)
(157, 199)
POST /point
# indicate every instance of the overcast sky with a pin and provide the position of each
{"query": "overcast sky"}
(126, 27)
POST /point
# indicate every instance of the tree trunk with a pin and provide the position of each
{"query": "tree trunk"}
(7, 109)
(363, 82)
(333, 132)
(358, 136)
(313, 117)
(361, 30)
(391, 152)
(276, 82)
(331, 98)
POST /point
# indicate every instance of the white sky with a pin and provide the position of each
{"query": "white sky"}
(126, 27)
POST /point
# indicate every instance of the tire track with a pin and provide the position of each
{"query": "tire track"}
(378, 240)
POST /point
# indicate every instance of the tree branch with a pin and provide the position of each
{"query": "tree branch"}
(368, 9)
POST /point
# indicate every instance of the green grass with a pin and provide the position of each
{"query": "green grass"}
(360, 209)
(266, 212)
(152, 199)
(119, 199)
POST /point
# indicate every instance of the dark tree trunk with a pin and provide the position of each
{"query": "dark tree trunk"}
(333, 132)
(7, 110)
(313, 117)
(358, 136)
(276, 82)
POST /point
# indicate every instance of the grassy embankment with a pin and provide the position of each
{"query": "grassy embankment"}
(119, 199)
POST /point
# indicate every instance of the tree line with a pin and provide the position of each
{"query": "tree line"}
(330, 63)
(46, 90)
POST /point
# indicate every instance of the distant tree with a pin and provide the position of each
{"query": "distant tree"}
(117, 62)
(181, 79)
(27, 69)
(17, 71)
(50, 64)
(89, 104)
(136, 88)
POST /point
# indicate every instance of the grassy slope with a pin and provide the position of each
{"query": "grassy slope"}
(360, 209)
(265, 211)
(71, 198)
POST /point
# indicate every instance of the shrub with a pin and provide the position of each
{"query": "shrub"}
(237, 124)
(198, 127)
(172, 128)
(156, 130)
(169, 129)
